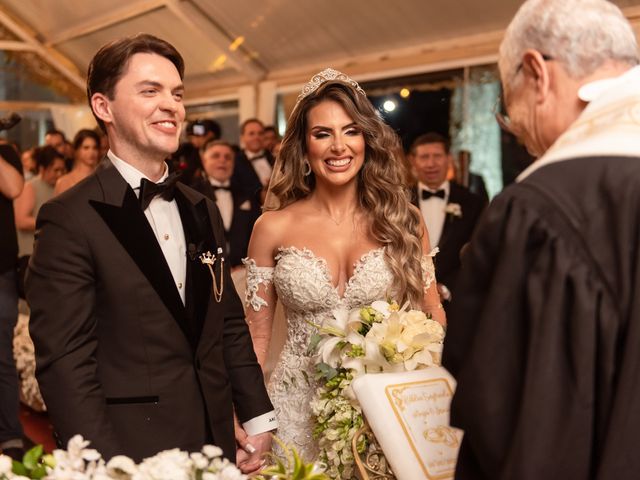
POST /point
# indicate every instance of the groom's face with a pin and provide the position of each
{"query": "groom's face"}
(146, 113)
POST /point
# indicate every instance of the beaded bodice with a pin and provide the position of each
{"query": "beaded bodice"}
(303, 284)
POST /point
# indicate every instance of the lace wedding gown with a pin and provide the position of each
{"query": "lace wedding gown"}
(303, 284)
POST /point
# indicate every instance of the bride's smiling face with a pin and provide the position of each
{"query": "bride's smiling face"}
(335, 144)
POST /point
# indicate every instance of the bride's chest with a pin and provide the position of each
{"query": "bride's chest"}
(304, 283)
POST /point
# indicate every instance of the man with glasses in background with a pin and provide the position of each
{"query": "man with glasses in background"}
(543, 338)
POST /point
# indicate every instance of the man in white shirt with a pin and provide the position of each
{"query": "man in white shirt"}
(254, 163)
(239, 211)
(140, 346)
(450, 211)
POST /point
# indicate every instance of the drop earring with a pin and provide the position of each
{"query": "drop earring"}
(307, 170)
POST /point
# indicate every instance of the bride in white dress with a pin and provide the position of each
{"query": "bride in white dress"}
(338, 230)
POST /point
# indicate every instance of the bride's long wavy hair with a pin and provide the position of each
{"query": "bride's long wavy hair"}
(382, 181)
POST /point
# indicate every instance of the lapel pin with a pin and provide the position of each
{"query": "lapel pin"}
(209, 260)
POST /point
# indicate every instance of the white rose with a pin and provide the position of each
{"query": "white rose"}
(199, 460)
(121, 464)
(414, 317)
(5, 465)
(212, 451)
(435, 330)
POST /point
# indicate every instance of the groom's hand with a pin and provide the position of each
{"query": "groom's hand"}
(250, 457)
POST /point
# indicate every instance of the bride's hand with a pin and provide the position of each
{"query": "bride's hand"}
(260, 445)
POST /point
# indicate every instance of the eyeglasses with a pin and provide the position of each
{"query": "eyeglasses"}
(503, 120)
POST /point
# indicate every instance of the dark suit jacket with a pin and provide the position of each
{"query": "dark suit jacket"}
(455, 233)
(477, 186)
(242, 221)
(245, 178)
(120, 359)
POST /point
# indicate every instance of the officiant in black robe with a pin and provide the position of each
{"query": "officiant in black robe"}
(543, 338)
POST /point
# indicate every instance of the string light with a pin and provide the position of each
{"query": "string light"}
(389, 106)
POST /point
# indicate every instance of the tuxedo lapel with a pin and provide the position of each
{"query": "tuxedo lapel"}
(121, 211)
(449, 221)
(199, 237)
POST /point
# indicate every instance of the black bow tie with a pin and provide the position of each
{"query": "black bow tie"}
(426, 194)
(258, 157)
(220, 187)
(149, 190)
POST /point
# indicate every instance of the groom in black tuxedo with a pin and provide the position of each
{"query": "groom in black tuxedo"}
(133, 350)
(450, 211)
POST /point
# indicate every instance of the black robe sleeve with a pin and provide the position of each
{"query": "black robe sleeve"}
(531, 341)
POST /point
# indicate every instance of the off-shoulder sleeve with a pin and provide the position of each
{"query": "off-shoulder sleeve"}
(255, 277)
(428, 269)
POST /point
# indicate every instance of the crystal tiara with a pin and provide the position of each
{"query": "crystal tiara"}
(327, 75)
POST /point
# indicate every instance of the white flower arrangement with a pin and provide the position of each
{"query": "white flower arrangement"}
(453, 209)
(81, 463)
(25, 358)
(374, 339)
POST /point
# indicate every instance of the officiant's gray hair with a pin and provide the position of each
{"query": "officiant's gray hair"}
(581, 34)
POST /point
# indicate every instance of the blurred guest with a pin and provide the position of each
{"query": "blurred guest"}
(201, 131)
(238, 210)
(104, 142)
(270, 138)
(276, 148)
(187, 158)
(29, 166)
(86, 146)
(450, 211)
(68, 154)
(254, 163)
(38, 190)
(543, 337)
(11, 183)
(56, 139)
(477, 186)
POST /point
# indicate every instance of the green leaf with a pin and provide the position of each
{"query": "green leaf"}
(19, 469)
(31, 458)
(313, 344)
(326, 370)
(38, 472)
(306, 377)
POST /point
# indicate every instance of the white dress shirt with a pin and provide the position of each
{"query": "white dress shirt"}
(261, 165)
(224, 200)
(164, 218)
(433, 211)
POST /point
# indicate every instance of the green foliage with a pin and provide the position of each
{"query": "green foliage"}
(32, 465)
(326, 371)
(290, 468)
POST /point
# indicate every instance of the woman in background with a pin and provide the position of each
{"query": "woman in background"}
(86, 148)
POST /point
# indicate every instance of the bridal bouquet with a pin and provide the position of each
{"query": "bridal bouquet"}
(378, 338)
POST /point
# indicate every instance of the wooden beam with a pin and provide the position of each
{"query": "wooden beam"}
(11, 106)
(195, 19)
(10, 45)
(114, 17)
(49, 55)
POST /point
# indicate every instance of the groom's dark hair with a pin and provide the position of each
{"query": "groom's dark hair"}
(112, 61)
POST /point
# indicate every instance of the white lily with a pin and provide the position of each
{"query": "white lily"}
(383, 307)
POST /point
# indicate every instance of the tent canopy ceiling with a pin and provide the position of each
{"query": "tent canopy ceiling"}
(230, 43)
